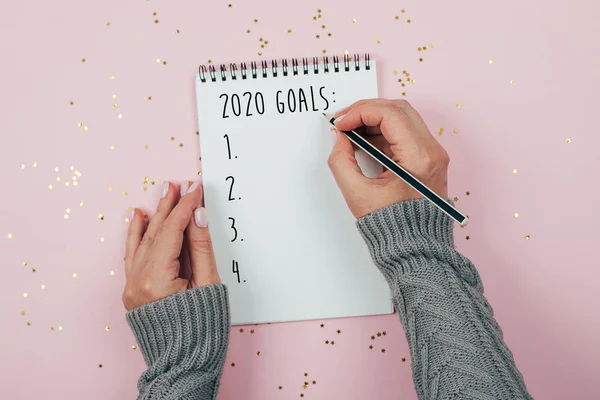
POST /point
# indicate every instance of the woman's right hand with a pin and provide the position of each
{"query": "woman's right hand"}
(396, 129)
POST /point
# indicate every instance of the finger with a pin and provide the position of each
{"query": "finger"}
(167, 245)
(199, 244)
(344, 168)
(165, 205)
(395, 125)
(381, 144)
(134, 237)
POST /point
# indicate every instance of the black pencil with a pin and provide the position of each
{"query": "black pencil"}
(403, 174)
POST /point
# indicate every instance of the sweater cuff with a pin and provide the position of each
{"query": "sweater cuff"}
(399, 236)
(189, 329)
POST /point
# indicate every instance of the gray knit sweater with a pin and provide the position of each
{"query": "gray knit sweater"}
(455, 343)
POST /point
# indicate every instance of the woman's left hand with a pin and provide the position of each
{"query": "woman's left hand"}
(152, 265)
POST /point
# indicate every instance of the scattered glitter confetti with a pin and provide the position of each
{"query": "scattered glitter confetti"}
(490, 62)
(516, 215)
(229, 5)
(83, 60)
(112, 77)
(102, 239)
(112, 273)
(164, 63)
(256, 21)
(467, 238)
(383, 350)
(568, 140)
(101, 217)
(339, 331)
(512, 82)
(280, 387)
(52, 329)
(456, 199)
(441, 132)
(384, 333)
(112, 147)
(149, 97)
(28, 323)
(34, 165)
(22, 166)
(456, 131)
(258, 353)
(172, 138)
(372, 337)
(24, 263)
(124, 193)
(247, 30)
(10, 235)
(25, 295)
(289, 31)
(74, 275)
(306, 374)
(233, 364)
(99, 365)
(378, 42)
(403, 359)
(353, 20)
(23, 313)
(107, 329)
(468, 193)
(71, 103)
(177, 31)
(146, 147)
(120, 116)
(107, 24)
(180, 144)
(81, 204)
(527, 237)
(251, 331)
(60, 328)
(420, 60)
(327, 342)
(133, 347)
(408, 21)
(85, 128)
(514, 171)
(457, 105)
(156, 21)
(241, 330)
(158, 60)
(322, 325)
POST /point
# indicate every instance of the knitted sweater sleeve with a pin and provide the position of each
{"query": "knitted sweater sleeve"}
(456, 345)
(183, 339)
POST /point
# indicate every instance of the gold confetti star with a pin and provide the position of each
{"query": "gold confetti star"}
(24, 263)
(490, 62)
(456, 131)
(568, 140)
(378, 42)
(314, 382)
(378, 334)
(327, 342)
(81, 204)
(383, 350)
(256, 21)
(258, 353)
(229, 5)
(111, 147)
(384, 333)
(10, 236)
(512, 82)
(156, 21)
(110, 189)
(353, 20)
(241, 330)
(60, 328)
(456, 199)
(402, 11)
(280, 387)
(247, 30)
(133, 347)
(112, 273)
(124, 193)
(403, 359)
(420, 60)
(164, 63)
(112, 77)
(102, 239)
(101, 217)
(372, 337)
(318, 36)
(289, 31)
(370, 347)
(177, 31)
(34, 165)
(107, 329)
(306, 374)
(71, 103)
(28, 323)
(467, 238)
(120, 116)
(527, 237)
(85, 128)
(457, 105)
(149, 97)
(107, 24)
(99, 365)
(146, 147)
(25, 295)
(514, 171)
(396, 17)
(329, 34)
(114, 96)
(23, 313)
(314, 18)
(22, 166)
(468, 193)
(339, 331)
(233, 364)
(83, 60)
(516, 215)
(322, 325)
(251, 331)
(408, 21)
(180, 144)
(74, 275)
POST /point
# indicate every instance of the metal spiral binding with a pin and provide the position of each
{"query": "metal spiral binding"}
(211, 72)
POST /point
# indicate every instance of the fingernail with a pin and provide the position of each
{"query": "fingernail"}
(338, 119)
(333, 135)
(132, 215)
(200, 217)
(165, 189)
(184, 187)
(193, 187)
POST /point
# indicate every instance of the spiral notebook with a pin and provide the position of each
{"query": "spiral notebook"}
(285, 242)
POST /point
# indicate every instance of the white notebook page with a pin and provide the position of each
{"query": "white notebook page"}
(285, 242)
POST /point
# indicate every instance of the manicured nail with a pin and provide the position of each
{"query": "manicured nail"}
(200, 217)
(193, 187)
(165, 190)
(333, 135)
(132, 215)
(338, 119)
(184, 187)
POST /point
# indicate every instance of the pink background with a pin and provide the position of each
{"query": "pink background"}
(544, 290)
